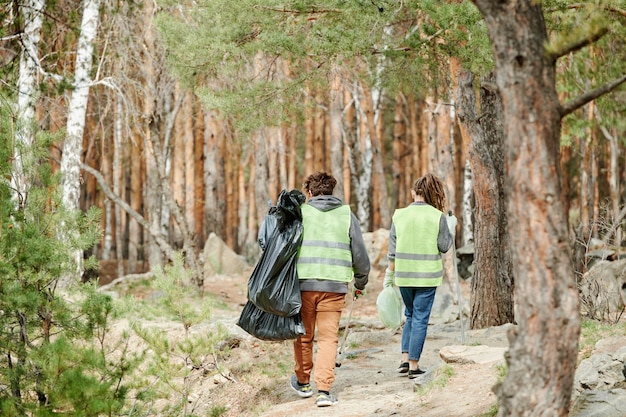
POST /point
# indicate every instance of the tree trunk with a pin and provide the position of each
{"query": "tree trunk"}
(107, 218)
(177, 160)
(136, 180)
(418, 159)
(77, 110)
(360, 151)
(233, 173)
(273, 168)
(215, 178)
(188, 204)
(309, 134)
(349, 119)
(32, 12)
(335, 125)
(259, 184)
(281, 169)
(398, 146)
(245, 205)
(544, 348)
(198, 203)
(380, 200)
(152, 129)
(614, 185)
(319, 141)
(117, 181)
(291, 141)
(467, 213)
(492, 283)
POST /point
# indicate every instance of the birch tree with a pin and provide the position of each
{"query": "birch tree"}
(77, 109)
(32, 13)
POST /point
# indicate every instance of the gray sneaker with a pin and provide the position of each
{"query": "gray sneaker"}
(325, 400)
(303, 391)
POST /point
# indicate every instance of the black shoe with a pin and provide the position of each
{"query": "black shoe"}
(415, 373)
(403, 368)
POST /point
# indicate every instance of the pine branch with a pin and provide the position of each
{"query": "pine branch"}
(582, 5)
(578, 43)
(585, 98)
(312, 10)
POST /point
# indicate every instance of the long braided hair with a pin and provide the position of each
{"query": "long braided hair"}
(431, 188)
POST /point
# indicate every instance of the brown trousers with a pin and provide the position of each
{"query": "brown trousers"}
(321, 310)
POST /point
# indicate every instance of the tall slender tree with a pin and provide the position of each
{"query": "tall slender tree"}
(32, 13)
(77, 109)
(492, 282)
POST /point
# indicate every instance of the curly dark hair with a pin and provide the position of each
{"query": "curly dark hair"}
(320, 183)
(431, 188)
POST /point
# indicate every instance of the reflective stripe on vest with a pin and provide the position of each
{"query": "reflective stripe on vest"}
(418, 260)
(325, 250)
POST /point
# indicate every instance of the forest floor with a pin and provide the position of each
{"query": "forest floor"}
(254, 377)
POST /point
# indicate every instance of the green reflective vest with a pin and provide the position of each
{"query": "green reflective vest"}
(418, 260)
(325, 250)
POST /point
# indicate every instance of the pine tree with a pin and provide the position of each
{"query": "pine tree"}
(52, 352)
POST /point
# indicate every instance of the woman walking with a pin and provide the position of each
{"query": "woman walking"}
(419, 235)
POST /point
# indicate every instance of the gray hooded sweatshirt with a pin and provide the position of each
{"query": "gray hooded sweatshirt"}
(360, 259)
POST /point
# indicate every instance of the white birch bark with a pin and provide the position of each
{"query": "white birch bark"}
(166, 153)
(360, 161)
(77, 109)
(378, 95)
(466, 206)
(32, 12)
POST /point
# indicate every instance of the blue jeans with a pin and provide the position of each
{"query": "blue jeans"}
(418, 302)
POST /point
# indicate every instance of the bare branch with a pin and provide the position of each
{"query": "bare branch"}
(125, 279)
(615, 225)
(313, 10)
(579, 43)
(10, 37)
(165, 247)
(582, 5)
(585, 98)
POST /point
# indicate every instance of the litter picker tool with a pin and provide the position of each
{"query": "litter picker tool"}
(345, 334)
(458, 286)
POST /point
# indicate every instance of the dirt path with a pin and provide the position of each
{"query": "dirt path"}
(367, 383)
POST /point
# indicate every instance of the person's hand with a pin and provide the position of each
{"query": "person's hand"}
(389, 278)
(452, 222)
(357, 293)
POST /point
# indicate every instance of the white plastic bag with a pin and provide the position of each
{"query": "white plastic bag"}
(389, 305)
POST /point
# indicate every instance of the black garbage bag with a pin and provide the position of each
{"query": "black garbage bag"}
(282, 215)
(273, 286)
(268, 326)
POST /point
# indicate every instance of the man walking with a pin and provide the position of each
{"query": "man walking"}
(331, 255)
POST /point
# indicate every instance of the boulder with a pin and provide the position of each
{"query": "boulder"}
(600, 381)
(472, 354)
(603, 289)
(377, 244)
(218, 258)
